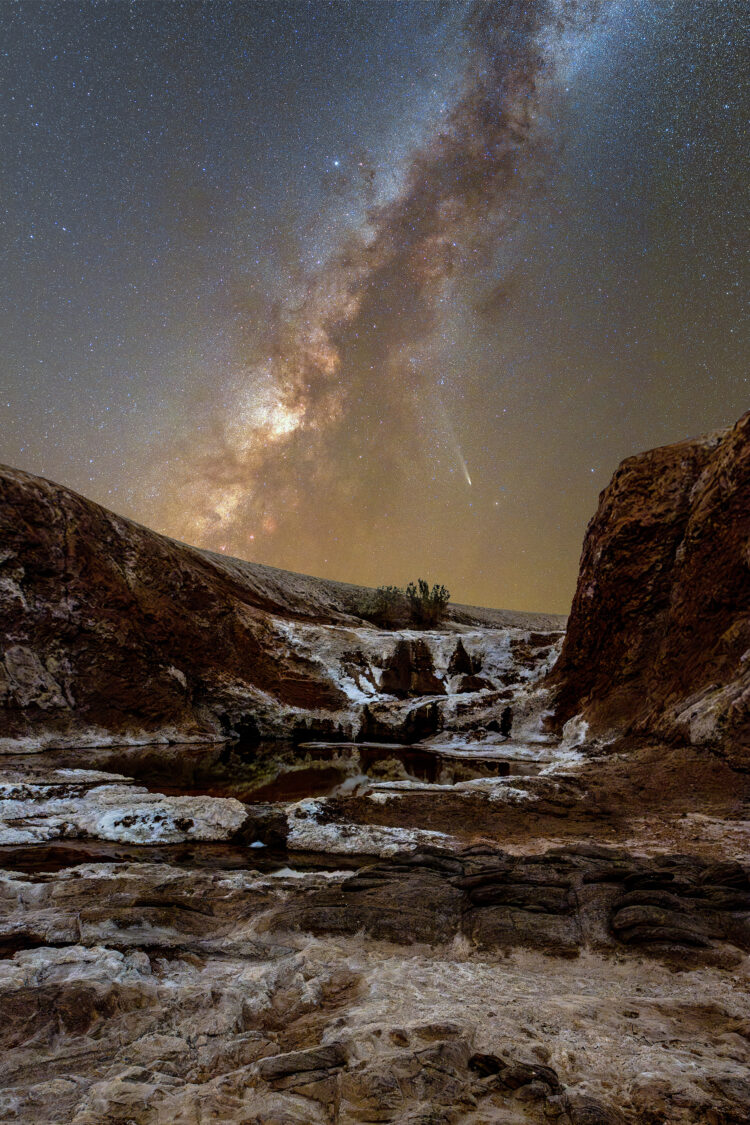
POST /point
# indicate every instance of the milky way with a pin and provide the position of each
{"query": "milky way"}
(377, 289)
(359, 328)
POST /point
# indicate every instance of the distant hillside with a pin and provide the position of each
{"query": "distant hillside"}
(113, 631)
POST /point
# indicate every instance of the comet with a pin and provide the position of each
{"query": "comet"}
(333, 352)
(446, 426)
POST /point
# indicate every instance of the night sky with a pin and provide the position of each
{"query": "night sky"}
(366, 289)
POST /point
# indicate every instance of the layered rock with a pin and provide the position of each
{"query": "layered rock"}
(559, 903)
(658, 637)
(73, 803)
(142, 993)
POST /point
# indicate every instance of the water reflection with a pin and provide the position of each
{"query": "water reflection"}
(279, 772)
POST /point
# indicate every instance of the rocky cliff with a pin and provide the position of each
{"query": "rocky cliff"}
(658, 638)
(111, 632)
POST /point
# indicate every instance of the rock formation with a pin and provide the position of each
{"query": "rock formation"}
(366, 904)
(658, 638)
(112, 633)
(455, 986)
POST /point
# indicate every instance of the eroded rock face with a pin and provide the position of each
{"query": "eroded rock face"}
(112, 633)
(559, 903)
(411, 671)
(378, 956)
(658, 638)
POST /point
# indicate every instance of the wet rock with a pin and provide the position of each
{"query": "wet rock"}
(265, 824)
(241, 729)
(313, 728)
(408, 723)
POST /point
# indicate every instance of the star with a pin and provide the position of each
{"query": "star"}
(535, 216)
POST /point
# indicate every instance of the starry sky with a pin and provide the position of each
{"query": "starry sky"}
(371, 289)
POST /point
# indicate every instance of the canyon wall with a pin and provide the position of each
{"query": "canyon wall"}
(658, 638)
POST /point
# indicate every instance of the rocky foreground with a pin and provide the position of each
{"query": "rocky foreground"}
(271, 864)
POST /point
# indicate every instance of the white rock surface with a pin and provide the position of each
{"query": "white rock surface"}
(308, 832)
(116, 812)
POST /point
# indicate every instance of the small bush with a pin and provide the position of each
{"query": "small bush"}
(416, 607)
(390, 608)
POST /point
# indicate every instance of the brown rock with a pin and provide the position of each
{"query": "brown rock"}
(557, 904)
(113, 633)
(373, 1094)
(461, 664)
(473, 683)
(309, 1065)
(407, 722)
(411, 671)
(588, 1111)
(117, 628)
(659, 632)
